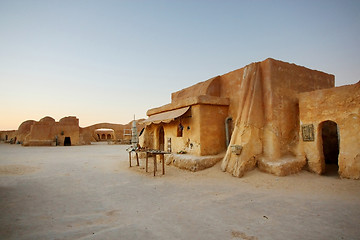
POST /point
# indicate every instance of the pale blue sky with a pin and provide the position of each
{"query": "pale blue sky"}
(104, 61)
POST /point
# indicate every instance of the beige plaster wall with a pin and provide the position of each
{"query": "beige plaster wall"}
(282, 111)
(211, 87)
(212, 129)
(230, 88)
(340, 105)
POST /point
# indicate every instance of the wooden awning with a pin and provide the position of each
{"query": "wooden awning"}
(166, 117)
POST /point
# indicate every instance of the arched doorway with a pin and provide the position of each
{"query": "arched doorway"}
(67, 141)
(161, 138)
(104, 134)
(330, 140)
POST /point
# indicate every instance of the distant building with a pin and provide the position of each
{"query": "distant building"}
(104, 134)
(8, 136)
(48, 132)
(66, 132)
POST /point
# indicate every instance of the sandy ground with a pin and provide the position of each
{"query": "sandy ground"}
(89, 192)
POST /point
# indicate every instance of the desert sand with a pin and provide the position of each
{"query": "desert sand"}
(89, 192)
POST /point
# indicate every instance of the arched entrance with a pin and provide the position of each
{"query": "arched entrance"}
(104, 134)
(330, 140)
(161, 138)
(67, 141)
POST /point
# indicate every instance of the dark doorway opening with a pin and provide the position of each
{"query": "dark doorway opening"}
(161, 139)
(330, 139)
(109, 136)
(67, 141)
(6, 137)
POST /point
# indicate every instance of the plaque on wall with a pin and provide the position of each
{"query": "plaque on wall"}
(307, 132)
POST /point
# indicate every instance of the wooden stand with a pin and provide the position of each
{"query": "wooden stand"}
(154, 154)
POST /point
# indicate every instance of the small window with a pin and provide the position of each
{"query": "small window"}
(180, 130)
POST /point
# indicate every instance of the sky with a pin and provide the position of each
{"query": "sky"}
(106, 61)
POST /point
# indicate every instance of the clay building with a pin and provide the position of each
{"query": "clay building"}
(117, 133)
(66, 132)
(104, 134)
(330, 126)
(48, 132)
(8, 136)
(246, 118)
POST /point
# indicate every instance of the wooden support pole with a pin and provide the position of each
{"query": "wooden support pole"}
(130, 158)
(163, 163)
(146, 164)
(137, 159)
(155, 162)
(155, 168)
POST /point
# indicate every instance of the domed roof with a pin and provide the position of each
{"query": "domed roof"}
(47, 119)
(69, 120)
(25, 126)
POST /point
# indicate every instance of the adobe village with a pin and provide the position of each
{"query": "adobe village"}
(277, 116)
(268, 151)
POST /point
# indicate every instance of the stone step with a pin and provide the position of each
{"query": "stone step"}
(284, 166)
(191, 162)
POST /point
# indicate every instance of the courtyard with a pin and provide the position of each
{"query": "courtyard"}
(89, 192)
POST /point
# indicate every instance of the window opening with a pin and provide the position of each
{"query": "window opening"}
(180, 129)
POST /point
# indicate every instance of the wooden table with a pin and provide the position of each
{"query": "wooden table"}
(154, 153)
